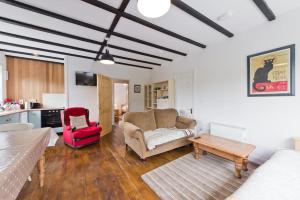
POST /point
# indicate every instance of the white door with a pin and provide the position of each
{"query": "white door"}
(184, 91)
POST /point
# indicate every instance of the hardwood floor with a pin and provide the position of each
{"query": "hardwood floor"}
(102, 171)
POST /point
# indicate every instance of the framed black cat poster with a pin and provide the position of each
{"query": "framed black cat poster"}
(272, 73)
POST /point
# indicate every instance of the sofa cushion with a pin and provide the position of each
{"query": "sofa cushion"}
(165, 118)
(86, 132)
(143, 120)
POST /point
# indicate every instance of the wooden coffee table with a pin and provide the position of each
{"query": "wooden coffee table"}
(235, 151)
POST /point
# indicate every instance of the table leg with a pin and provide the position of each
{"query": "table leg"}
(238, 168)
(41, 166)
(197, 151)
(245, 164)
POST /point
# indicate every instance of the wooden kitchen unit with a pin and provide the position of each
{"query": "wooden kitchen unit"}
(235, 151)
(29, 79)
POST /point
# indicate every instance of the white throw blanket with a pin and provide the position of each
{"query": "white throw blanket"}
(164, 135)
(277, 179)
(53, 138)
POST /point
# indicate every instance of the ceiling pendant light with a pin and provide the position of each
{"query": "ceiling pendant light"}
(107, 58)
(153, 8)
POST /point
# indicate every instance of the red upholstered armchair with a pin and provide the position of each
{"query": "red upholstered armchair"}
(78, 138)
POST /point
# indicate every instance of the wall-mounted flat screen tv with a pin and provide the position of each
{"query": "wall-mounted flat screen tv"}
(86, 79)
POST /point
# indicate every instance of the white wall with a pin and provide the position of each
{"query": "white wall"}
(220, 93)
(87, 96)
(184, 82)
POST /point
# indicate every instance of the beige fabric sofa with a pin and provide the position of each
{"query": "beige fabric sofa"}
(136, 123)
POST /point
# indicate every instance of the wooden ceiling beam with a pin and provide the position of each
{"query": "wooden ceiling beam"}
(72, 47)
(39, 28)
(42, 49)
(265, 9)
(148, 43)
(47, 30)
(139, 52)
(113, 26)
(31, 54)
(191, 11)
(111, 9)
(66, 54)
(133, 65)
(85, 24)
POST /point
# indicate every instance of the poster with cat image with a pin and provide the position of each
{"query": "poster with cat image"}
(272, 73)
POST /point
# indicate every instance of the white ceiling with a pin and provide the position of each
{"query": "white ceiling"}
(245, 15)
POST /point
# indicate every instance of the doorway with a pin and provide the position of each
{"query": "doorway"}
(120, 99)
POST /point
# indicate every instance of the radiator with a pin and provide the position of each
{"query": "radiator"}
(228, 131)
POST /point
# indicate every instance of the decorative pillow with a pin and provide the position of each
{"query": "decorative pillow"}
(78, 122)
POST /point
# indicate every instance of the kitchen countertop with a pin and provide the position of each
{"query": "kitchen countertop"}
(10, 112)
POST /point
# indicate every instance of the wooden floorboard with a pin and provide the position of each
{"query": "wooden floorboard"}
(104, 171)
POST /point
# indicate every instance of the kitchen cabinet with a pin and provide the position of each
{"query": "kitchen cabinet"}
(51, 118)
(34, 117)
(11, 118)
(23, 117)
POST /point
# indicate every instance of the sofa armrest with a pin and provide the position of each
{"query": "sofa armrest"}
(184, 123)
(297, 143)
(132, 131)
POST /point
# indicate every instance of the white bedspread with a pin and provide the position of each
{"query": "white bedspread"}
(164, 135)
(277, 179)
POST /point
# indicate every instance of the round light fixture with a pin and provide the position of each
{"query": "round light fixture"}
(107, 58)
(153, 8)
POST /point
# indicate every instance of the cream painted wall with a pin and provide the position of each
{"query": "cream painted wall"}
(87, 96)
(220, 92)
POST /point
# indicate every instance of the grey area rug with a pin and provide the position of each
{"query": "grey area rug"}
(186, 178)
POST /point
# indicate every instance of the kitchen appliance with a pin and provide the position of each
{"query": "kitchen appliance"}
(51, 118)
(54, 100)
(35, 105)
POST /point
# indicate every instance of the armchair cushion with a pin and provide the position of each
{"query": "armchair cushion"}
(86, 132)
(143, 120)
(78, 122)
(165, 118)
